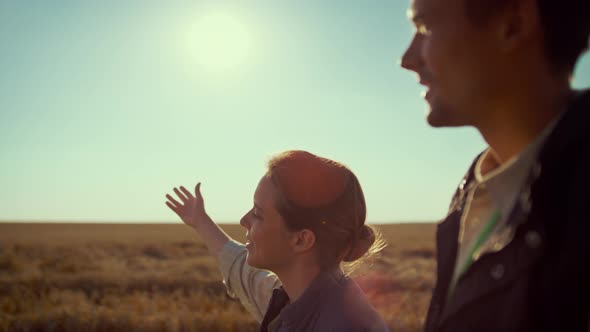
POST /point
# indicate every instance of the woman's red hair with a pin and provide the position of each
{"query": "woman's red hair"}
(326, 197)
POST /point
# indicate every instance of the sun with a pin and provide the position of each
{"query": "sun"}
(219, 41)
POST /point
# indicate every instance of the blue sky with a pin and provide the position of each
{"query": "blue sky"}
(105, 106)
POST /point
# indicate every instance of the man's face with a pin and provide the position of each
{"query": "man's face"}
(454, 61)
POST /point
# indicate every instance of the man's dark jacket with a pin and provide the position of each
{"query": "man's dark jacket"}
(541, 280)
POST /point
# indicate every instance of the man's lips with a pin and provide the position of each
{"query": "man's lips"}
(427, 84)
(424, 82)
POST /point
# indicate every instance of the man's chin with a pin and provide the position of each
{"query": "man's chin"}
(438, 118)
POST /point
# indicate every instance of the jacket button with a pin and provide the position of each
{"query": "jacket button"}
(533, 239)
(498, 246)
(462, 184)
(525, 201)
(497, 271)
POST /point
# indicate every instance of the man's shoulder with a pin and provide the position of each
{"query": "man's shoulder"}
(571, 133)
(578, 108)
(582, 96)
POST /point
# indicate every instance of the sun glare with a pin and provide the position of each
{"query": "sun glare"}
(219, 41)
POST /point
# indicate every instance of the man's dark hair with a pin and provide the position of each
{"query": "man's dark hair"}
(565, 23)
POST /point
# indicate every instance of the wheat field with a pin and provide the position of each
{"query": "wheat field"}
(160, 277)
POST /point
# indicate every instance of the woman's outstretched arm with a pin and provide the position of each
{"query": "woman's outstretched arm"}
(252, 286)
(192, 212)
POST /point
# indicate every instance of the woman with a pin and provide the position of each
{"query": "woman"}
(308, 217)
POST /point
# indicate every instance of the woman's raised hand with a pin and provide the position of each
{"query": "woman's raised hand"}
(192, 208)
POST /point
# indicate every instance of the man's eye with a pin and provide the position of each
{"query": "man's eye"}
(422, 29)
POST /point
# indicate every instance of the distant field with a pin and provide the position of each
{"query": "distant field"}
(155, 277)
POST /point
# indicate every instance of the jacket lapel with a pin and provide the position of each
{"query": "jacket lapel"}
(494, 271)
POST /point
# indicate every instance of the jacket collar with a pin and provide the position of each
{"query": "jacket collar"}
(573, 126)
(294, 313)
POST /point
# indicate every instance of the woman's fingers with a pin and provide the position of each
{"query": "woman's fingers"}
(198, 191)
(172, 207)
(186, 193)
(183, 198)
(174, 202)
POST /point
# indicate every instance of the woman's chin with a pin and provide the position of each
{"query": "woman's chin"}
(251, 260)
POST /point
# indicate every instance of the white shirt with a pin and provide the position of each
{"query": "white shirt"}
(252, 286)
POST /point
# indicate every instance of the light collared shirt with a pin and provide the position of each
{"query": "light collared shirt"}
(252, 286)
(495, 191)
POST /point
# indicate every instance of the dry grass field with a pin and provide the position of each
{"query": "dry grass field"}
(157, 277)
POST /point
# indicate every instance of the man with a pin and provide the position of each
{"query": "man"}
(513, 253)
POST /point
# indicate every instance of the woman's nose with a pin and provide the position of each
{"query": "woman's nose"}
(245, 222)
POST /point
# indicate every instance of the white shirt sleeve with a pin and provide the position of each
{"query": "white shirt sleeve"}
(252, 286)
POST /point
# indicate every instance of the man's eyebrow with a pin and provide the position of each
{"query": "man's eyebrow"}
(258, 207)
(418, 18)
(415, 16)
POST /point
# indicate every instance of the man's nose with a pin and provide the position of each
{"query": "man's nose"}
(411, 59)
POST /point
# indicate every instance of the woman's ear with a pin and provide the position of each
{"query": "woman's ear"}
(303, 241)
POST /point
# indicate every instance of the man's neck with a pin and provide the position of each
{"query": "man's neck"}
(519, 120)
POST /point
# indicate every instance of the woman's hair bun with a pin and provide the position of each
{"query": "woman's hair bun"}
(361, 245)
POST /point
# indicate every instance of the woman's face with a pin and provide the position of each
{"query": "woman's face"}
(269, 240)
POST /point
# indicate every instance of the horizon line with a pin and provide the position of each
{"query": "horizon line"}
(162, 222)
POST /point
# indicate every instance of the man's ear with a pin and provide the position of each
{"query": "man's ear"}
(303, 241)
(518, 24)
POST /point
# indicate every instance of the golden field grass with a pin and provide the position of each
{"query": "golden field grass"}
(160, 277)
